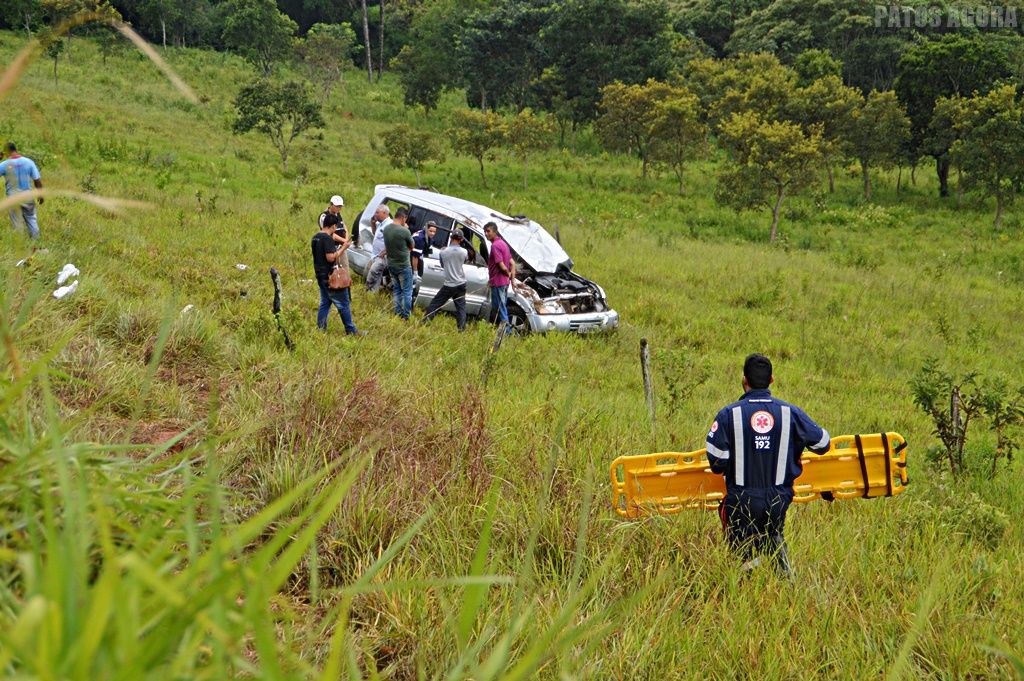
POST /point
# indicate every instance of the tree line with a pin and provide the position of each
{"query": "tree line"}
(828, 80)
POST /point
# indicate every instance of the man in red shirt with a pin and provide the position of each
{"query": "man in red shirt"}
(500, 270)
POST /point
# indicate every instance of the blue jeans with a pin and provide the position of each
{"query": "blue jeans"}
(26, 213)
(499, 294)
(401, 290)
(339, 298)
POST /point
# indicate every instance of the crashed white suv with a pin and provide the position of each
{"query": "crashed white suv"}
(546, 295)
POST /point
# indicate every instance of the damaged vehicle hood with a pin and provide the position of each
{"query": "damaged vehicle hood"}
(526, 238)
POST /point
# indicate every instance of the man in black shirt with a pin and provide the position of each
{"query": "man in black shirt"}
(327, 255)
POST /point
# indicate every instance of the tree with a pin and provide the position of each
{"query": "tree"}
(282, 111)
(366, 42)
(591, 43)
(830, 105)
(475, 133)
(811, 65)
(748, 82)
(990, 149)
(324, 52)
(526, 133)
(21, 13)
(944, 130)
(259, 32)
(879, 130)
(54, 48)
(952, 65)
(413, 149)
(627, 118)
(500, 52)
(679, 135)
(159, 13)
(768, 160)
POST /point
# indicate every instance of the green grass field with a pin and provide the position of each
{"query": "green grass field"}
(372, 507)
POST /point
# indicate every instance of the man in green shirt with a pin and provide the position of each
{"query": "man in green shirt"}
(398, 244)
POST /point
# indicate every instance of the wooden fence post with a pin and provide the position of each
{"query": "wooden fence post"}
(645, 365)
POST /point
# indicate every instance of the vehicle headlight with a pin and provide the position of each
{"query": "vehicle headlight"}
(549, 307)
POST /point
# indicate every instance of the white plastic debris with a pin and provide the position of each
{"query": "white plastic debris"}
(65, 290)
(66, 273)
(188, 308)
(242, 267)
(21, 262)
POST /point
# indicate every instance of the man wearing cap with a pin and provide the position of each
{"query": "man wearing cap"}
(326, 255)
(334, 208)
(454, 289)
(20, 174)
(756, 443)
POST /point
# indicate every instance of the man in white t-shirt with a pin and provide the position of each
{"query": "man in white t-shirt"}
(378, 262)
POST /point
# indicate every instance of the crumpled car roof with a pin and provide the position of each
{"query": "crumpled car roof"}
(528, 240)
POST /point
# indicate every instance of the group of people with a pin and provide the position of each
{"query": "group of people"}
(397, 252)
(21, 174)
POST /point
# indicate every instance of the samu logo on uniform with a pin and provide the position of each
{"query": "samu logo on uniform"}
(762, 422)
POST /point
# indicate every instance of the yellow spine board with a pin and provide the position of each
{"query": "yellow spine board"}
(670, 482)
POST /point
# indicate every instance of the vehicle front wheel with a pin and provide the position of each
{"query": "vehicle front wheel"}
(517, 320)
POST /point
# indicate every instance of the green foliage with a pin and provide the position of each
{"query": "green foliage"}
(757, 83)
(592, 43)
(282, 111)
(501, 54)
(814, 64)
(879, 130)
(526, 133)
(256, 30)
(475, 133)
(768, 160)
(989, 129)
(627, 118)
(324, 53)
(679, 134)
(979, 65)
(832, 107)
(21, 14)
(407, 147)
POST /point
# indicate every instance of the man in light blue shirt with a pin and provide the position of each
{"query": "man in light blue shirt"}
(20, 175)
(377, 266)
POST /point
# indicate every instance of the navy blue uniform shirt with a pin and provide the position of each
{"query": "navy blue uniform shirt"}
(757, 442)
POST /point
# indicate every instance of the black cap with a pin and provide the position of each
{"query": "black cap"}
(757, 369)
(456, 235)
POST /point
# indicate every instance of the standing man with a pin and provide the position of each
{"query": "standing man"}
(500, 270)
(452, 259)
(756, 442)
(334, 208)
(20, 175)
(398, 246)
(326, 254)
(375, 270)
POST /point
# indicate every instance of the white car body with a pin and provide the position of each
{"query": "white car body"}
(546, 295)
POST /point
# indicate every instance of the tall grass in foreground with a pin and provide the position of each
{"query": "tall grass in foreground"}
(122, 562)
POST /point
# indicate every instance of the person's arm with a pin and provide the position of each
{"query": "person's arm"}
(39, 185)
(814, 437)
(718, 446)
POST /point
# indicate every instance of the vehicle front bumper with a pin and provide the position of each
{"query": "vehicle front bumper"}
(590, 322)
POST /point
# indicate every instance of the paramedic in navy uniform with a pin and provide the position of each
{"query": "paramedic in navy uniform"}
(756, 442)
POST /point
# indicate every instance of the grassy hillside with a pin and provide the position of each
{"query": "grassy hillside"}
(503, 479)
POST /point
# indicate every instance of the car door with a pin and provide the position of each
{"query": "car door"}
(478, 293)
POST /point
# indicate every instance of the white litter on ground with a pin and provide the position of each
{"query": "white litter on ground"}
(65, 290)
(66, 273)
(242, 267)
(187, 308)
(25, 260)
